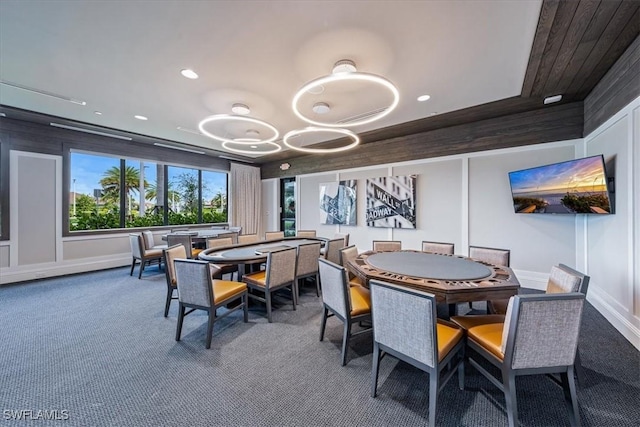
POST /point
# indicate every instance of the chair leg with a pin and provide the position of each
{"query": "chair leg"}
(294, 294)
(267, 297)
(180, 319)
(571, 397)
(142, 263)
(433, 396)
(578, 368)
(375, 369)
(325, 314)
(317, 285)
(461, 367)
(133, 264)
(212, 315)
(345, 341)
(168, 303)
(245, 303)
(509, 383)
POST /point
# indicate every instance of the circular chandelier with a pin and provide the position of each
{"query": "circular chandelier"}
(298, 132)
(257, 147)
(343, 73)
(235, 118)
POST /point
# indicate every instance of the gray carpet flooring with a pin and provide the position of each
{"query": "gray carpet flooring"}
(98, 347)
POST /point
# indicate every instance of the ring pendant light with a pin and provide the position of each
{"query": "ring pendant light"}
(346, 76)
(231, 117)
(345, 132)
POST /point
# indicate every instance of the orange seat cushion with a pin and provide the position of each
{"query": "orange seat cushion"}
(226, 289)
(259, 278)
(488, 336)
(448, 337)
(360, 300)
(468, 322)
(195, 252)
(356, 281)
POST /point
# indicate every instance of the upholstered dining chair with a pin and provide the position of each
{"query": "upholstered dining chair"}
(197, 291)
(438, 247)
(170, 255)
(280, 273)
(273, 235)
(350, 304)
(332, 250)
(308, 254)
(344, 236)
(539, 336)
(149, 241)
(347, 254)
(233, 235)
(405, 327)
(186, 241)
(305, 233)
(387, 245)
(492, 256)
(562, 279)
(248, 238)
(219, 242)
(140, 253)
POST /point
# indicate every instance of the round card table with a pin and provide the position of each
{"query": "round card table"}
(451, 278)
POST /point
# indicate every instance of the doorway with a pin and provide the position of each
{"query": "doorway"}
(288, 206)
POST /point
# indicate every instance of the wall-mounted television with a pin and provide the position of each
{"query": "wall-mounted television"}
(572, 187)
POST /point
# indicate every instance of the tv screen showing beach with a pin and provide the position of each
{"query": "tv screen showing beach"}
(575, 186)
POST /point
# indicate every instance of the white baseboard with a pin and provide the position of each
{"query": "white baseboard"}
(630, 331)
(40, 271)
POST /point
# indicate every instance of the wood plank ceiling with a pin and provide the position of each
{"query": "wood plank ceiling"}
(576, 43)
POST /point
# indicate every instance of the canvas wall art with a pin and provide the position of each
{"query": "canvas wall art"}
(391, 201)
(338, 202)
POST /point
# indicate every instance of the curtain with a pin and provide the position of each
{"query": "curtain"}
(246, 198)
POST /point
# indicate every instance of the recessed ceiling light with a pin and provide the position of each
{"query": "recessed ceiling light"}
(97, 113)
(422, 98)
(344, 66)
(433, 113)
(321, 108)
(240, 109)
(188, 73)
(254, 146)
(3, 115)
(552, 99)
(140, 117)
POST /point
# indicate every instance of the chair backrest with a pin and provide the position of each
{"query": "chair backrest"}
(492, 256)
(137, 249)
(148, 239)
(343, 236)
(273, 235)
(308, 255)
(335, 288)
(541, 330)
(181, 229)
(248, 238)
(181, 239)
(232, 235)
(237, 229)
(332, 250)
(347, 254)
(170, 255)
(438, 247)
(306, 233)
(405, 321)
(218, 242)
(281, 267)
(387, 245)
(194, 282)
(565, 279)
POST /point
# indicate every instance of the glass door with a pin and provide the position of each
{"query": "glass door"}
(288, 206)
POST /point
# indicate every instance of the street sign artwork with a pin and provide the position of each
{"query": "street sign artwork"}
(391, 201)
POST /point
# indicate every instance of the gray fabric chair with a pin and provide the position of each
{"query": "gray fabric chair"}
(350, 304)
(273, 235)
(344, 236)
(332, 250)
(539, 336)
(149, 241)
(244, 239)
(280, 273)
(140, 253)
(170, 255)
(493, 256)
(306, 233)
(197, 291)
(348, 254)
(186, 241)
(308, 255)
(438, 247)
(387, 245)
(233, 235)
(219, 242)
(405, 326)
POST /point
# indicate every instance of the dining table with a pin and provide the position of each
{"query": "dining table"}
(451, 278)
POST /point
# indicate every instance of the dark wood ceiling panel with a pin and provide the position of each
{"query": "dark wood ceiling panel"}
(620, 33)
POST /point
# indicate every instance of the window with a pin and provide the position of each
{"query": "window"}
(107, 192)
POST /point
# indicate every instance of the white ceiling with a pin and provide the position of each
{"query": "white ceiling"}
(124, 57)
